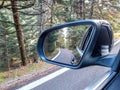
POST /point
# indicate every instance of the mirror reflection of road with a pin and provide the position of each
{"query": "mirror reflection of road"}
(64, 56)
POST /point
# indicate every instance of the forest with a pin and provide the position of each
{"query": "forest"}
(22, 21)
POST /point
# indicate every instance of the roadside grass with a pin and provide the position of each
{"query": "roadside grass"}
(2, 77)
(21, 71)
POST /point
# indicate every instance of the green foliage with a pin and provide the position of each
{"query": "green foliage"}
(52, 38)
(75, 34)
(2, 76)
(64, 12)
(51, 47)
(7, 37)
(2, 65)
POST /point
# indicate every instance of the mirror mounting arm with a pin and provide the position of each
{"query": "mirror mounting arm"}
(106, 61)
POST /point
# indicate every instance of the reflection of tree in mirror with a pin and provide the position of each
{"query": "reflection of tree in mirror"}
(63, 37)
(50, 47)
(67, 38)
(75, 36)
(52, 37)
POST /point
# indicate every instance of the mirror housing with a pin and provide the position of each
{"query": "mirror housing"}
(90, 43)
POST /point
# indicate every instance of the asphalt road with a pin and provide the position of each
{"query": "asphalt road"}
(75, 79)
(65, 56)
(116, 48)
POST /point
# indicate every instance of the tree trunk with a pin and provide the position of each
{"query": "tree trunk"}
(91, 9)
(83, 9)
(79, 7)
(51, 18)
(19, 31)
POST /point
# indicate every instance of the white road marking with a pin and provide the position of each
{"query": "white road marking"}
(57, 55)
(43, 80)
(118, 41)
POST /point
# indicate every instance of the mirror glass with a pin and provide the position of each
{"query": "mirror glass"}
(67, 44)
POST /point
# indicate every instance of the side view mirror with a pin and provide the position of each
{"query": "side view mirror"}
(76, 44)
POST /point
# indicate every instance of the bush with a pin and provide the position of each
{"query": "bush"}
(2, 77)
(51, 47)
(15, 62)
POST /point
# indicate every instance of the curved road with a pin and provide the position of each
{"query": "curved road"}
(65, 56)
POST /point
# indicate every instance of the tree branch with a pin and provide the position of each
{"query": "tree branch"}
(7, 22)
(33, 13)
(2, 4)
(19, 7)
(20, 24)
(7, 33)
(25, 6)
